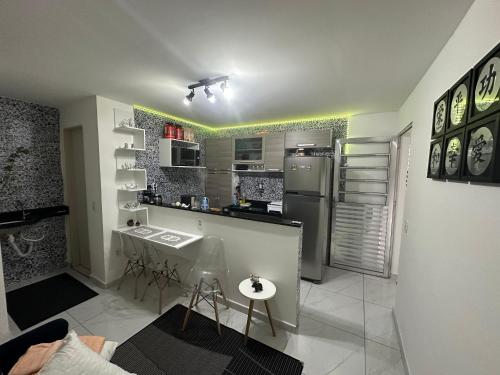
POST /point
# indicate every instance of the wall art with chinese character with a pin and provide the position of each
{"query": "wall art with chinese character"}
(435, 158)
(485, 95)
(459, 103)
(439, 119)
(481, 160)
(453, 147)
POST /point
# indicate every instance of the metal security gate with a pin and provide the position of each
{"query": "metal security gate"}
(364, 199)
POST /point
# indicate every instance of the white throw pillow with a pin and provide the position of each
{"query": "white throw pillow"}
(75, 358)
(108, 350)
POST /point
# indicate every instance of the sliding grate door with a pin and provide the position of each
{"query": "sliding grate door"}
(362, 214)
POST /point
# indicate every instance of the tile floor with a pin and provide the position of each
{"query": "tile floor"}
(346, 325)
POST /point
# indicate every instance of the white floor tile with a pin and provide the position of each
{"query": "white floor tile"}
(95, 306)
(380, 325)
(382, 360)
(335, 309)
(261, 331)
(321, 347)
(380, 291)
(119, 326)
(82, 331)
(343, 282)
(305, 287)
(353, 365)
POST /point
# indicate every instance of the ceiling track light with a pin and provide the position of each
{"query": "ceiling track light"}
(189, 98)
(207, 82)
(210, 95)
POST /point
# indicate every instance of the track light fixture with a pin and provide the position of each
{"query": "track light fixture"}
(207, 82)
(226, 89)
(210, 95)
(189, 98)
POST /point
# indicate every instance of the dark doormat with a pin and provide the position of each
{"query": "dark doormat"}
(34, 303)
(163, 348)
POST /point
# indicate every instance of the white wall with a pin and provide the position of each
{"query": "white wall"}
(108, 142)
(373, 125)
(448, 298)
(84, 113)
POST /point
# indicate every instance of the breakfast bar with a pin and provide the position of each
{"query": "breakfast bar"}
(269, 250)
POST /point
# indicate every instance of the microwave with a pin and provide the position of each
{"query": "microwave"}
(185, 157)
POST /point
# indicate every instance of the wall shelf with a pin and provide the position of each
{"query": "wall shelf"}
(134, 209)
(119, 149)
(255, 171)
(132, 190)
(131, 170)
(128, 129)
(184, 166)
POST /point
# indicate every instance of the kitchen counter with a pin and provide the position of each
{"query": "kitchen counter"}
(253, 244)
(272, 219)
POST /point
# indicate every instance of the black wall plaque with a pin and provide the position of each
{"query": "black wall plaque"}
(485, 93)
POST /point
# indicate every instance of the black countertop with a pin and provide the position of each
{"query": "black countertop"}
(13, 219)
(272, 219)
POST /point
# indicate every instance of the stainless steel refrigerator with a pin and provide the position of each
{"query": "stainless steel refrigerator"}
(307, 198)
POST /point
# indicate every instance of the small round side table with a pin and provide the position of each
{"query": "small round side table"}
(268, 292)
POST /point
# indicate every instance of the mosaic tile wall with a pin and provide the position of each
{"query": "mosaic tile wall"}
(272, 186)
(35, 181)
(172, 182)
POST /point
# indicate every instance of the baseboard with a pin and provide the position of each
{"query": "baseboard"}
(98, 281)
(401, 345)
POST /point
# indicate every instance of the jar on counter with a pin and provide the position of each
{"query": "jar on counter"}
(179, 133)
(170, 131)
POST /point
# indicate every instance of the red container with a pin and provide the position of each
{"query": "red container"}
(179, 133)
(170, 131)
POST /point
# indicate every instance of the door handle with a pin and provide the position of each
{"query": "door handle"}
(306, 144)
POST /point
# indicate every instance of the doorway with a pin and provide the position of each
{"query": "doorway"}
(403, 165)
(75, 196)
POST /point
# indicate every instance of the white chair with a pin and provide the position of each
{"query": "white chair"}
(132, 248)
(207, 276)
(156, 260)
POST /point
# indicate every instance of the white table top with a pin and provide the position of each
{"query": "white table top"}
(161, 236)
(268, 290)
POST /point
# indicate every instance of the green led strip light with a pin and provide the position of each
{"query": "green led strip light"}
(215, 128)
(171, 117)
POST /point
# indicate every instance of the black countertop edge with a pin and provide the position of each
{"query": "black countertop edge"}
(240, 215)
(30, 216)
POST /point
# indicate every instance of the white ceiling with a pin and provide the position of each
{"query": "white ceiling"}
(286, 58)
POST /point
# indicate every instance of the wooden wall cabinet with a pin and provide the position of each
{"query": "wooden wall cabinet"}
(219, 153)
(274, 151)
(309, 139)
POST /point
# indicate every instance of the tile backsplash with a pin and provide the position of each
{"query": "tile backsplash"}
(271, 186)
(35, 181)
(172, 182)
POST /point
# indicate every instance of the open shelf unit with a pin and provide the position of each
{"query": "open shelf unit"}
(126, 171)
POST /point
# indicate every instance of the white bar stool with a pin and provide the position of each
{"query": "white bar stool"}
(268, 292)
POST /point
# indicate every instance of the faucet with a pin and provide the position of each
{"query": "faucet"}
(20, 205)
